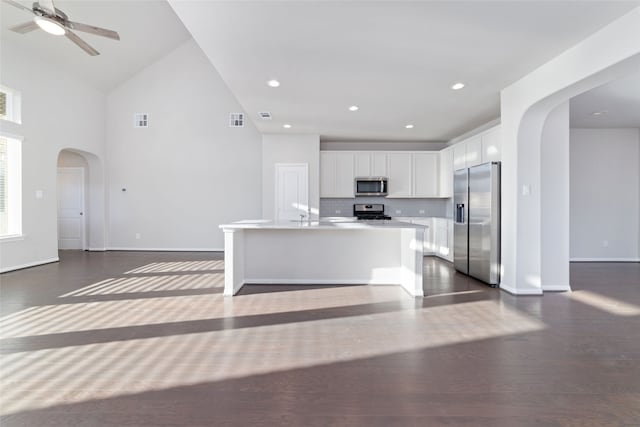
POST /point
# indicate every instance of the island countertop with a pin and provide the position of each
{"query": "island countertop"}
(348, 224)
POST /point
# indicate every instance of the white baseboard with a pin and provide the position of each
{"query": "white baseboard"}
(313, 282)
(166, 249)
(604, 259)
(29, 264)
(97, 249)
(556, 288)
(514, 291)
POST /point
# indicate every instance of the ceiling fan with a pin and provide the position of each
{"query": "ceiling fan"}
(56, 22)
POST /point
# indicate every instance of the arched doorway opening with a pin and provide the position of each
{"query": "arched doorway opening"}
(80, 200)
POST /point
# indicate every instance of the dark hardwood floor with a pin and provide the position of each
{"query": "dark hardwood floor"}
(147, 339)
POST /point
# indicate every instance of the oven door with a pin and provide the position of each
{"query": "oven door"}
(371, 187)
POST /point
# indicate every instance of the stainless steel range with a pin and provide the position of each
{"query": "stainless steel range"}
(369, 212)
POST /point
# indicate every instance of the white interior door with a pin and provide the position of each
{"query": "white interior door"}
(71, 208)
(292, 191)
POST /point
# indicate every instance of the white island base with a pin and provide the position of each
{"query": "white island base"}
(344, 253)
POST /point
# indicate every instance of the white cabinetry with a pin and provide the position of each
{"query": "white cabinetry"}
(413, 174)
(425, 175)
(492, 145)
(443, 238)
(400, 172)
(337, 174)
(459, 156)
(473, 148)
(446, 172)
(371, 163)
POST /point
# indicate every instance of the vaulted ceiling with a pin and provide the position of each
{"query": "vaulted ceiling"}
(395, 60)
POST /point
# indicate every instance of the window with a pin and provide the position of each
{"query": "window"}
(10, 105)
(10, 187)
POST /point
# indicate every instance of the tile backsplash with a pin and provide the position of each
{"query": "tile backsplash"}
(406, 207)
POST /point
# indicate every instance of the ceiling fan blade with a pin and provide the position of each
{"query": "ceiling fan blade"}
(18, 5)
(25, 28)
(47, 6)
(81, 43)
(93, 30)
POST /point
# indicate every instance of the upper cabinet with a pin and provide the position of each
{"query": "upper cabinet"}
(482, 148)
(400, 171)
(371, 163)
(446, 172)
(337, 174)
(473, 148)
(413, 174)
(425, 175)
(459, 156)
(492, 145)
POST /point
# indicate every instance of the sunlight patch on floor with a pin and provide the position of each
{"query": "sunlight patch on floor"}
(41, 378)
(74, 317)
(150, 284)
(608, 304)
(178, 266)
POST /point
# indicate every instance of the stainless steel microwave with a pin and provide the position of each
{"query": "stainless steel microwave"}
(371, 186)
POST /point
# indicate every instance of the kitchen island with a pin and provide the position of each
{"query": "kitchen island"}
(323, 252)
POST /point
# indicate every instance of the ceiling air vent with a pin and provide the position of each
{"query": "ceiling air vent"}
(265, 115)
(236, 120)
(141, 120)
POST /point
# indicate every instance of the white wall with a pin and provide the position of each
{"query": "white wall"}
(605, 193)
(58, 111)
(554, 185)
(279, 148)
(189, 171)
(604, 56)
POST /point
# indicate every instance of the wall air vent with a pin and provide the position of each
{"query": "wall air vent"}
(141, 120)
(265, 115)
(236, 120)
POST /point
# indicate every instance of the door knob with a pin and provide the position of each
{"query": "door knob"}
(81, 213)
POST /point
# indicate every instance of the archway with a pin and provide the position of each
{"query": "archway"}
(92, 215)
(527, 106)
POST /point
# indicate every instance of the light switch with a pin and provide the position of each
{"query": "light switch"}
(526, 190)
(39, 194)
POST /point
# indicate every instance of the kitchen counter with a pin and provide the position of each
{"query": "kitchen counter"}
(336, 251)
(333, 224)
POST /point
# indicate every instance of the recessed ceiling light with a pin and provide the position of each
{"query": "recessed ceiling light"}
(599, 113)
(286, 126)
(457, 86)
(49, 25)
(409, 126)
(354, 108)
(273, 83)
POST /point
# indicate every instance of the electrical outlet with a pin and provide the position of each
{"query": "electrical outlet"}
(138, 235)
(421, 211)
(605, 243)
(338, 211)
(398, 211)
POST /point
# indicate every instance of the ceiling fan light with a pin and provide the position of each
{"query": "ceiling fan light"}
(50, 26)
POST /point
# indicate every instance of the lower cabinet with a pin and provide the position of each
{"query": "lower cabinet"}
(438, 237)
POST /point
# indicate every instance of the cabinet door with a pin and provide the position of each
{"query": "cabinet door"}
(345, 184)
(425, 175)
(446, 172)
(492, 145)
(459, 156)
(400, 174)
(363, 164)
(327, 174)
(474, 151)
(378, 164)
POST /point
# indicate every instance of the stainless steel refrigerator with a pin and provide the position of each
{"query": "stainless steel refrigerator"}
(476, 225)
